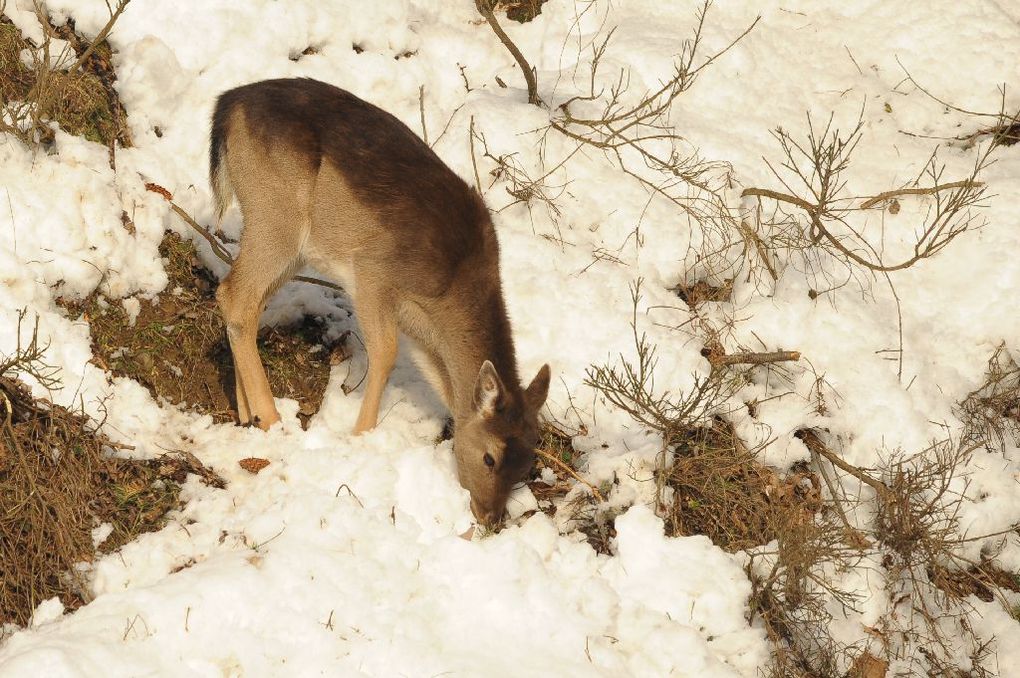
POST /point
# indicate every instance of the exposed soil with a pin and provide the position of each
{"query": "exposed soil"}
(177, 346)
(521, 11)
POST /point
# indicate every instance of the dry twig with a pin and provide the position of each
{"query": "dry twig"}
(114, 15)
(485, 9)
(748, 358)
(816, 446)
(566, 467)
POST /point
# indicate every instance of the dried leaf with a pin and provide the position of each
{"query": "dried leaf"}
(253, 464)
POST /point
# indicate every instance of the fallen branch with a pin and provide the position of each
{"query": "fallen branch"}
(566, 467)
(816, 446)
(881, 197)
(217, 247)
(776, 195)
(718, 358)
(485, 9)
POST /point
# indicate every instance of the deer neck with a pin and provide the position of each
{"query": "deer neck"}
(482, 333)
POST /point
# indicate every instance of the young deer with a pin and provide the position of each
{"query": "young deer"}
(326, 179)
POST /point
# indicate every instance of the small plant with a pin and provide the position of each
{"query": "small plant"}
(57, 87)
(814, 171)
(991, 412)
(630, 386)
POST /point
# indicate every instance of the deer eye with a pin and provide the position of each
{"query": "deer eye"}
(489, 461)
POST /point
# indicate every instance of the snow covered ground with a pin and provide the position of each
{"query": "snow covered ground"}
(285, 574)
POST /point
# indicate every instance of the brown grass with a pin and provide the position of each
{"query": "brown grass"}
(90, 106)
(718, 488)
(84, 103)
(178, 349)
(14, 76)
(59, 479)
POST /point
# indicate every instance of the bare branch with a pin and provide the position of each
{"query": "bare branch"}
(719, 359)
(816, 446)
(121, 6)
(886, 195)
(485, 9)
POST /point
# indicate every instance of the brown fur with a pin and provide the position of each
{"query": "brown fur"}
(326, 179)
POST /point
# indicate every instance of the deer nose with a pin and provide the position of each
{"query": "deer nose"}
(487, 517)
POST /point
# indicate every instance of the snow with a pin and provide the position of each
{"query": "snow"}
(342, 556)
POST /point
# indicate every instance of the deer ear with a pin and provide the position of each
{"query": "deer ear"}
(538, 389)
(489, 390)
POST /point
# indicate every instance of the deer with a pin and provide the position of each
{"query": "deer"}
(327, 180)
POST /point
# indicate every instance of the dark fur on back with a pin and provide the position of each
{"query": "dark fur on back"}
(388, 166)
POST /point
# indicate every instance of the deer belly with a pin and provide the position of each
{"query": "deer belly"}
(338, 269)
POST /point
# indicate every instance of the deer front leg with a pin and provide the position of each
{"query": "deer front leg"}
(379, 326)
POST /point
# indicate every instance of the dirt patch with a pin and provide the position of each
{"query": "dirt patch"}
(696, 293)
(177, 345)
(60, 481)
(521, 11)
(717, 487)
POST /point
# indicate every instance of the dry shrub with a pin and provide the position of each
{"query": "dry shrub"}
(916, 535)
(82, 107)
(823, 230)
(75, 89)
(917, 527)
(718, 488)
(177, 346)
(708, 482)
(60, 479)
(991, 412)
(793, 586)
(630, 386)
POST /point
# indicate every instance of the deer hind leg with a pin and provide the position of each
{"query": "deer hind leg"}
(378, 321)
(270, 253)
